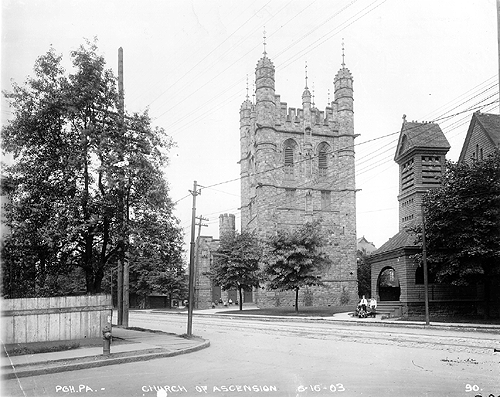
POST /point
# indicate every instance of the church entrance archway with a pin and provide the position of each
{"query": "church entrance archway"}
(388, 285)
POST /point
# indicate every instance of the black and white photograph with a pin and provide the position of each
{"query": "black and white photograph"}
(288, 198)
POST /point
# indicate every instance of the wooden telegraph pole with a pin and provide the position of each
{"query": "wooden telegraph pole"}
(123, 269)
(426, 276)
(119, 272)
(194, 192)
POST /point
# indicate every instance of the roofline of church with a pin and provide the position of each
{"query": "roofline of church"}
(393, 253)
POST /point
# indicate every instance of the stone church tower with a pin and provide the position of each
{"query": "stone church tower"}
(297, 165)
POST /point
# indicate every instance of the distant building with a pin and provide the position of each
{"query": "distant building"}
(206, 292)
(483, 137)
(364, 245)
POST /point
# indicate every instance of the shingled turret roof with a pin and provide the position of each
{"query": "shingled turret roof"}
(415, 135)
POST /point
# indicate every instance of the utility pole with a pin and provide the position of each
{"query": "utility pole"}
(197, 261)
(123, 265)
(194, 192)
(426, 276)
(201, 219)
(120, 217)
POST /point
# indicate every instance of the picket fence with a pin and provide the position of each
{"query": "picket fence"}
(28, 320)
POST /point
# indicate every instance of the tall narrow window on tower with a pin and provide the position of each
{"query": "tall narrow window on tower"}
(323, 160)
(289, 160)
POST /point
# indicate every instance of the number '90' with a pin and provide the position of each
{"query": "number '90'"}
(476, 388)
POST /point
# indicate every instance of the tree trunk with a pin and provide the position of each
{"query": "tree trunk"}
(296, 300)
(241, 297)
(98, 276)
(89, 280)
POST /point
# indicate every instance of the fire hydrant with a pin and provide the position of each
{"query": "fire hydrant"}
(106, 340)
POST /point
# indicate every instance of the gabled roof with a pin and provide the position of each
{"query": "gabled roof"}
(363, 243)
(490, 125)
(402, 239)
(424, 136)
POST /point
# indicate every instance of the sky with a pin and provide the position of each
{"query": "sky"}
(188, 63)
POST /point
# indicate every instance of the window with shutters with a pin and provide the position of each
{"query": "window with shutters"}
(289, 154)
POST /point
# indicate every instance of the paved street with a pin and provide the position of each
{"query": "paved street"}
(249, 357)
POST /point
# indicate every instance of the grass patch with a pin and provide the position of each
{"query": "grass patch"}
(22, 350)
(306, 311)
(154, 331)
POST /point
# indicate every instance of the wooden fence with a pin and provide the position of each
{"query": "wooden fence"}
(30, 320)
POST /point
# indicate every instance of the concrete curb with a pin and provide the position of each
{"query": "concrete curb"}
(383, 323)
(51, 367)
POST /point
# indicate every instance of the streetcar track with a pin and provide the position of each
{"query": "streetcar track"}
(344, 333)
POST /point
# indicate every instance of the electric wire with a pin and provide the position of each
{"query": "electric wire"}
(279, 196)
(219, 94)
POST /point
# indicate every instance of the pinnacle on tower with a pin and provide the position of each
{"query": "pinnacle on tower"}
(343, 54)
(306, 95)
(313, 97)
(306, 75)
(265, 53)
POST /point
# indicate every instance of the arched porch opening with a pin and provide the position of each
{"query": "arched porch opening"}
(388, 285)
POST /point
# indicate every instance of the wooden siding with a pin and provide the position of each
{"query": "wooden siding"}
(28, 320)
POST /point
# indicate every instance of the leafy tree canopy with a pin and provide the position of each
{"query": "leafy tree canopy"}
(363, 273)
(463, 222)
(462, 225)
(236, 263)
(80, 169)
(295, 259)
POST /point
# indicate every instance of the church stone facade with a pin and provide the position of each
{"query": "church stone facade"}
(297, 166)
(205, 292)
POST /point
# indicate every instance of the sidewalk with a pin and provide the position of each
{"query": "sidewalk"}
(129, 346)
(132, 345)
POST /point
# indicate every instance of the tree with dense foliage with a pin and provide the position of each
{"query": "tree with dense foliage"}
(80, 168)
(363, 273)
(156, 262)
(462, 224)
(295, 259)
(236, 263)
